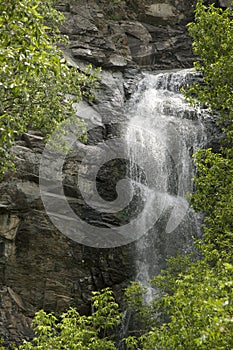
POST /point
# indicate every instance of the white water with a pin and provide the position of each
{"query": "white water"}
(163, 132)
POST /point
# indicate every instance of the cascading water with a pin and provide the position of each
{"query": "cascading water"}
(163, 132)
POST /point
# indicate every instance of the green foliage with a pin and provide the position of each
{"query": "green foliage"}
(166, 280)
(142, 313)
(134, 296)
(105, 315)
(214, 198)
(200, 311)
(212, 32)
(71, 331)
(1, 342)
(131, 342)
(35, 79)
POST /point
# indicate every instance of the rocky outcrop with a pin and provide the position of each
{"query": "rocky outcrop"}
(124, 33)
(40, 267)
(15, 317)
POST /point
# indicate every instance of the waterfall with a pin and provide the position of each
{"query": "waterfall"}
(163, 132)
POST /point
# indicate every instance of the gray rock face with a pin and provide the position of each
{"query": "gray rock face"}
(39, 267)
(147, 33)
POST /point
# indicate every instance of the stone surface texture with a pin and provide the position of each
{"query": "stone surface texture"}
(147, 33)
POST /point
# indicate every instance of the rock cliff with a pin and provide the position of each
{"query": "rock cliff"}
(119, 34)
